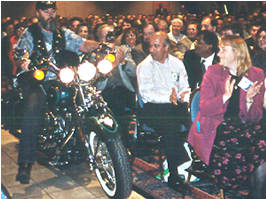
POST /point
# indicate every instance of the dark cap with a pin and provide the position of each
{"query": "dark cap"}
(43, 5)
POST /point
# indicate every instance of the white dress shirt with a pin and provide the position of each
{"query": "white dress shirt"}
(156, 80)
(208, 61)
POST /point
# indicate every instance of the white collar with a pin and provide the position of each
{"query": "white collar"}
(208, 59)
(159, 63)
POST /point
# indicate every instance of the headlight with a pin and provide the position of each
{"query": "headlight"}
(39, 75)
(105, 66)
(86, 71)
(110, 57)
(66, 75)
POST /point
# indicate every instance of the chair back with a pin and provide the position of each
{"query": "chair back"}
(194, 104)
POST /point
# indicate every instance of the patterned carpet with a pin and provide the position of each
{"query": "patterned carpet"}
(146, 183)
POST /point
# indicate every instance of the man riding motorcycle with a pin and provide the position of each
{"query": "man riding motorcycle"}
(41, 40)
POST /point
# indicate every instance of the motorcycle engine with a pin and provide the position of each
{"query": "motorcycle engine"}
(58, 95)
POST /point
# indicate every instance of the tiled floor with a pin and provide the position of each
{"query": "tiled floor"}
(76, 182)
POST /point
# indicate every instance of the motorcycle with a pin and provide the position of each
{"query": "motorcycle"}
(78, 125)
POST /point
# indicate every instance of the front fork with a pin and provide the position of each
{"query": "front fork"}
(91, 157)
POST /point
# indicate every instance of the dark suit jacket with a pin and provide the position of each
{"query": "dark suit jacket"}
(193, 68)
(251, 43)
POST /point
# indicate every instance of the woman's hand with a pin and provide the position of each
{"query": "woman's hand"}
(253, 91)
(229, 87)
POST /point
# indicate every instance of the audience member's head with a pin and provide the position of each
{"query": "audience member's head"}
(126, 24)
(74, 22)
(261, 38)
(209, 24)
(176, 26)
(207, 43)
(159, 46)
(234, 49)
(83, 30)
(220, 24)
(161, 26)
(232, 29)
(192, 30)
(19, 29)
(105, 32)
(254, 27)
(129, 37)
(148, 30)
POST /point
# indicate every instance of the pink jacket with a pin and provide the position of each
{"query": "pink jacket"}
(203, 131)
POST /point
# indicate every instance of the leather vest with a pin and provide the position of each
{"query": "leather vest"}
(39, 50)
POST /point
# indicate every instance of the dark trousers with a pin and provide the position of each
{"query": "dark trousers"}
(166, 119)
(122, 102)
(32, 105)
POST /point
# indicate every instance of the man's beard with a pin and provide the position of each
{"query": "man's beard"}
(49, 24)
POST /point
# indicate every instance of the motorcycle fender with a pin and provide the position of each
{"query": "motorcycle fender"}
(108, 124)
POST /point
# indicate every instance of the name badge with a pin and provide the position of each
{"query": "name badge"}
(175, 76)
(245, 83)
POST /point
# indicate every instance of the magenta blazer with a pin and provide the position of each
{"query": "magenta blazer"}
(203, 130)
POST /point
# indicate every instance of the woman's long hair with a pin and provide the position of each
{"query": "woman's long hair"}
(240, 47)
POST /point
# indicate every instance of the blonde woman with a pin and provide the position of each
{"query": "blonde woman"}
(227, 134)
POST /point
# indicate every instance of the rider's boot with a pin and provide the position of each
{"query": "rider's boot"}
(23, 175)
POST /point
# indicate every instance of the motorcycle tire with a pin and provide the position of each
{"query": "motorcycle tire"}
(112, 170)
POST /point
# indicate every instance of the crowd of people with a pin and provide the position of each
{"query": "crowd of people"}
(162, 58)
(182, 27)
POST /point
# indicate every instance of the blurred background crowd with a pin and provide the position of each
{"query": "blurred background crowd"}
(245, 18)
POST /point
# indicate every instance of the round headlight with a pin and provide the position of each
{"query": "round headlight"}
(66, 75)
(86, 71)
(39, 75)
(110, 57)
(105, 66)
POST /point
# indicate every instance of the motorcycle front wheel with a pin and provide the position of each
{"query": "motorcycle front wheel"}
(112, 167)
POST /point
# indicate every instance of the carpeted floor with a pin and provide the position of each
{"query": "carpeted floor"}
(146, 183)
